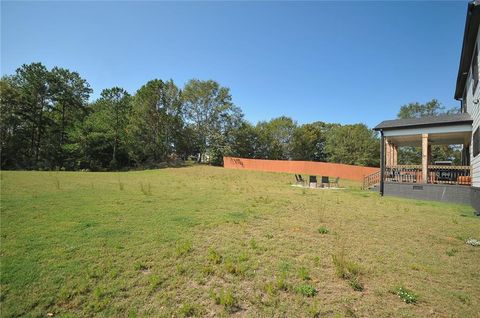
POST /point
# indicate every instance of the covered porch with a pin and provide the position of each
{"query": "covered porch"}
(424, 133)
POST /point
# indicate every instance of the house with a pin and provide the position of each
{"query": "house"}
(434, 180)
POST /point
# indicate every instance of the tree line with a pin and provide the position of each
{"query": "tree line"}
(48, 122)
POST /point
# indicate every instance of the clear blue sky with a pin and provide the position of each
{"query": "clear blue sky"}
(343, 62)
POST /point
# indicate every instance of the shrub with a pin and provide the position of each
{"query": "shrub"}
(307, 290)
(323, 230)
(406, 295)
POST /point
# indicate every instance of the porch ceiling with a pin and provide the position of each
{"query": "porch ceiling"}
(454, 138)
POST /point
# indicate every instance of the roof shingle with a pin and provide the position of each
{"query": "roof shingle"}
(452, 119)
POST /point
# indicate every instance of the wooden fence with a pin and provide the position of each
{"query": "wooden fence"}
(343, 171)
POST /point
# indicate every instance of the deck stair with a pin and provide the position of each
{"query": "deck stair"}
(371, 181)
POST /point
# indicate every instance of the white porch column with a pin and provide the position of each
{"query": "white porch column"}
(425, 158)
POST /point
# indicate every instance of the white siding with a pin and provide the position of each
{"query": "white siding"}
(474, 111)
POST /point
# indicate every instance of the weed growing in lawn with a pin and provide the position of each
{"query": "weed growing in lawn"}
(57, 183)
(183, 248)
(355, 283)
(406, 295)
(155, 282)
(243, 257)
(189, 310)
(253, 244)
(348, 270)
(314, 310)
(270, 289)
(120, 185)
(284, 266)
(303, 273)
(463, 297)
(451, 252)
(146, 188)
(281, 282)
(140, 266)
(208, 270)
(226, 298)
(181, 269)
(235, 267)
(214, 257)
(306, 290)
(323, 230)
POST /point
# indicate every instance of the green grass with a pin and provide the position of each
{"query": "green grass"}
(205, 241)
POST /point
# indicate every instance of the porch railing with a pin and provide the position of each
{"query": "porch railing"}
(403, 173)
(371, 180)
(449, 175)
(436, 174)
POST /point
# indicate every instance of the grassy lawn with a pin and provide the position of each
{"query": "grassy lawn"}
(205, 241)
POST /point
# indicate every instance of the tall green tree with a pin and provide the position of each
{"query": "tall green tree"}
(275, 138)
(31, 81)
(353, 144)
(156, 122)
(309, 141)
(212, 114)
(47, 105)
(430, 108)
(69, 95)
(244, 141)
(413, 155)
(14, 132)
(102, 137)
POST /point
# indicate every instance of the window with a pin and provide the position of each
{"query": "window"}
(475, 74)
(476, 142)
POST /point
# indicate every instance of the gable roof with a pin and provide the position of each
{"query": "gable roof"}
(469, 38)
(442, 120)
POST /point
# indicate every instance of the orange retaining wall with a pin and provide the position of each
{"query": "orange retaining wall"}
(306, 167)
